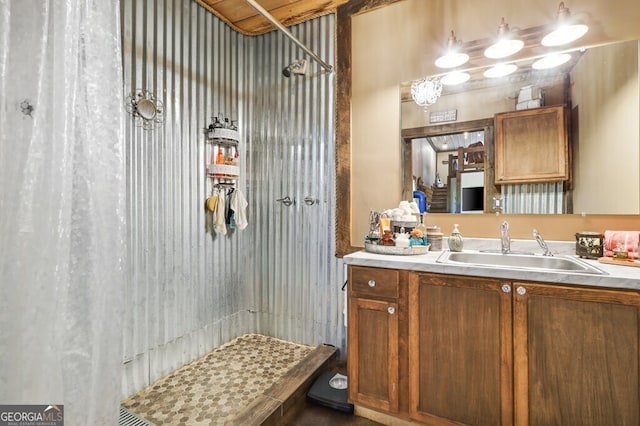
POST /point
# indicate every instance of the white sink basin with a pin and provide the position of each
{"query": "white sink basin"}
(520, 261)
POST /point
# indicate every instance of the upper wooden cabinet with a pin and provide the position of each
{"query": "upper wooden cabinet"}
(532, 146)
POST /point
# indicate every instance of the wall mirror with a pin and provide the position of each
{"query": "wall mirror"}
(369, 116)
(600, 87)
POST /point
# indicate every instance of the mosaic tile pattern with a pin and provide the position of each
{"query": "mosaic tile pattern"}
(218, 385)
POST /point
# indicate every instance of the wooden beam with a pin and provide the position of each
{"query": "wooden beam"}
(343, 118)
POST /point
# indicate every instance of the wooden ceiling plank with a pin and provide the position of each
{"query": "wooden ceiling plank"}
(242, 17)
(291, 14)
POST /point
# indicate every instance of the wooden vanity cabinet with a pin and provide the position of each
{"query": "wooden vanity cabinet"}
(532, 146)
(376, 312)
(460, 353)
(447, 350)
(577, 355)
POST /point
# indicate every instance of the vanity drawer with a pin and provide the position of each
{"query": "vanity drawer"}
(377, 282)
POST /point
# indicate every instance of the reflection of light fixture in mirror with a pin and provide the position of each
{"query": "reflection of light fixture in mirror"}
(500, 70)
(551, 61)
(566, 29)
(426, 91)
(505, 45)
(453, 57)
(444, 145)
(145, 108)
(456, 77)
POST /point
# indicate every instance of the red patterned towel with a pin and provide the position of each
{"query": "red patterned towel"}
(621, 240)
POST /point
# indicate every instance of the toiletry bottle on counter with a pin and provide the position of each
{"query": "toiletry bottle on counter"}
(455, 239)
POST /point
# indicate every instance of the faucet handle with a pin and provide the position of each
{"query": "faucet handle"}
(542, 243)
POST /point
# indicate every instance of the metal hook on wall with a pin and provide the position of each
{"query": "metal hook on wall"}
(27, 108)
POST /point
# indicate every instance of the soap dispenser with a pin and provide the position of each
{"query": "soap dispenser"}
(455, 239)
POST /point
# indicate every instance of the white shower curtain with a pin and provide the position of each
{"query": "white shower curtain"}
(62, 207)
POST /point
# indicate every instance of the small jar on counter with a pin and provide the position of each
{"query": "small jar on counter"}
(434, 238)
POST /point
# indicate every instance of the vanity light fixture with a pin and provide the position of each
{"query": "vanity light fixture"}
(453, 57)
(426, 91)
(551, 61)
(500, 70)
(455, 78)
(566, 30)
(506, 44)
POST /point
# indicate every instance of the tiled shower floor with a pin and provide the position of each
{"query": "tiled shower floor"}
(215, 387)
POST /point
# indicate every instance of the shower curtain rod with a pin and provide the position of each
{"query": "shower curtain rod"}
(286, 32)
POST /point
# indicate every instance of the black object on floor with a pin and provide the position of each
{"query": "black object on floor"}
(323, 393)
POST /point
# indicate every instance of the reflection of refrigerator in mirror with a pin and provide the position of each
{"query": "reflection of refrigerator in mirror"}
(472, 192)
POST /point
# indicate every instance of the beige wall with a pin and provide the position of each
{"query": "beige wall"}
(400, 42)
(605, 137)
(478, 104)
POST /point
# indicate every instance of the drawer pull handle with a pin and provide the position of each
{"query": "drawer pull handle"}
(506, 288)
(372, 283)
(521, 291)
(391, 310)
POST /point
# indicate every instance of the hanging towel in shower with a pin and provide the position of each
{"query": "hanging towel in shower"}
(239, 206)
(219, 224)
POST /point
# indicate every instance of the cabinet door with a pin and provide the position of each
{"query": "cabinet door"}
(531, 146)
(576, 356)
(373, 353)
(460, 350)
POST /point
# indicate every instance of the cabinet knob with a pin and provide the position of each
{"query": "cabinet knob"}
(521, 291)
(372, 283)
(506, 288)
(391, 310)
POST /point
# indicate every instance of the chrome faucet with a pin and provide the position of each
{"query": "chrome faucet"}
(542, 243)
(505, 240)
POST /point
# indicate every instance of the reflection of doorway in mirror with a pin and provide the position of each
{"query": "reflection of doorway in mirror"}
(472, 192)
(437, 155)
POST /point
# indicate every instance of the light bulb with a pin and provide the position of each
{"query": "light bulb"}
(500, 70)
(454, 78)
(551, 61)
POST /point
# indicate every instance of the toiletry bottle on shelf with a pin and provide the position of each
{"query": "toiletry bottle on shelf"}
(220, 160)
(455, 239)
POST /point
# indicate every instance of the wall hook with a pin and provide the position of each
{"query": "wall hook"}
(27, 108)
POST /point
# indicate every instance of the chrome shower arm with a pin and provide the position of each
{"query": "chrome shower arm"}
(286, 32)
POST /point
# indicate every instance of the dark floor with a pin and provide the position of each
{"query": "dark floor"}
(310, 414)
(307, 413)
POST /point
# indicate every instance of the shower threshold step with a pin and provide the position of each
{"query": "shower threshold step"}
(268, 408)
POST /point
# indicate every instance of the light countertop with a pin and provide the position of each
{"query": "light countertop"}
(625, 277)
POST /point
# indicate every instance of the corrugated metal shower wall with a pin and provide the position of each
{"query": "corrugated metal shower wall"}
(296, 279)
(534, 198)
(191, 291)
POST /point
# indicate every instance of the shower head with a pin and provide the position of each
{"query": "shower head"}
(298, 67)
